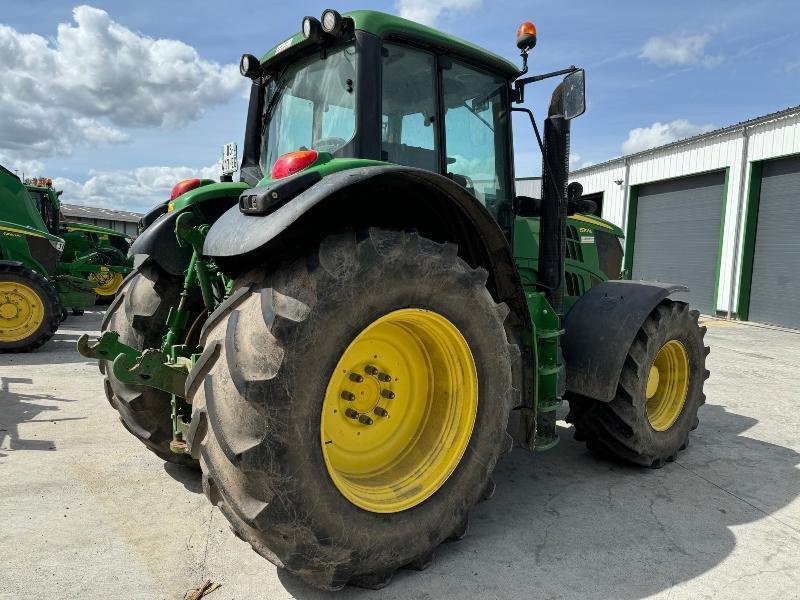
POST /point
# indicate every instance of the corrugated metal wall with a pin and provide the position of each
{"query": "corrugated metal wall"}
(770, 139)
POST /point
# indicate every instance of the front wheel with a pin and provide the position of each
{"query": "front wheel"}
(349, 407)
(658, 395)
(30, 311)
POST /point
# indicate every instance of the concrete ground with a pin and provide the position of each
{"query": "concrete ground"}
(86, 512)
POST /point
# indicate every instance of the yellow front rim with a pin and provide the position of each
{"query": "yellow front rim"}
(399, 410)
(108, 282)
(667, 385)
(21, 311)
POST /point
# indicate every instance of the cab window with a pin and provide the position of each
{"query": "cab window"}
(476, 134)
(409, 108)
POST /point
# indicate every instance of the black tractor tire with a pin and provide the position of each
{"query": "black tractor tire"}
(138, 314)
(257, 392)
(620, 429)
(47, 295)
(77, 312)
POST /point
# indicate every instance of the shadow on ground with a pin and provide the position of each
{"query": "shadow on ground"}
(567, 525)
(17, 407)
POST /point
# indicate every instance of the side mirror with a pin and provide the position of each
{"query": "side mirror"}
(574, 94)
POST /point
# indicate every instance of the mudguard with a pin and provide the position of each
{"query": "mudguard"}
(159, 242)
(237, 234)
(600, 329)
(11, 263)
(236, 237)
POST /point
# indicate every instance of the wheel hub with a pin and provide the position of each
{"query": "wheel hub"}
(667, 385)
(21, 311)
(108, 282)
(399, 410)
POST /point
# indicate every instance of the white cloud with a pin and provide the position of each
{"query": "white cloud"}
(677, 49)
(428, 12)
(137, 190)
(97, 77)
(26, 168)
(658, 134)
(576, 162)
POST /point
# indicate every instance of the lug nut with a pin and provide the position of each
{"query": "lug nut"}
(380, 411)
(351, 413)
(385, 377)
(356, 377)
(371, 370)
(349, 396)
(365, 420)
(388, 394)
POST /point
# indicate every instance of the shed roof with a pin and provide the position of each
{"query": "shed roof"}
(96, 212)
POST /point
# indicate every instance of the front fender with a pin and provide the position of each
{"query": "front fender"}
(600, 329)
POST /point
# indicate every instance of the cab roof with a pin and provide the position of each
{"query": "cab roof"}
(392, 27)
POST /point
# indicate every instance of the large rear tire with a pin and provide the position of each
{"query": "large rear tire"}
(353, 340)
(30, 311)
(138, 314)
(658, 395)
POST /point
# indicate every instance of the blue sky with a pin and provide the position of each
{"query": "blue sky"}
(656, 71)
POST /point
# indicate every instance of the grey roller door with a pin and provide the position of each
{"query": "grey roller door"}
(677, 235)
(775, 292)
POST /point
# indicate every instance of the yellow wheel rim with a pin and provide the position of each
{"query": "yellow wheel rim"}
(399, 410)
(108, 282)
(667, 385)
(21, 311)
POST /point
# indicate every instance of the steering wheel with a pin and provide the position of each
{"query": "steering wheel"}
(331, 144)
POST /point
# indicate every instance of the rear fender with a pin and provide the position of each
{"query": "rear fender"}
(389, 196)
(158, 241)
(600, 329)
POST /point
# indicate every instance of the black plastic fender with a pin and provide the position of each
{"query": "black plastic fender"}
(158, 241)
(380, 195)
(600, 329)
(11, 263)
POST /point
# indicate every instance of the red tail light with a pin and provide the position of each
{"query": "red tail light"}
(183, 186)
(293, 162)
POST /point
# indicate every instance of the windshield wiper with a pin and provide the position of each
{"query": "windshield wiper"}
(475, 112)
(271, 106)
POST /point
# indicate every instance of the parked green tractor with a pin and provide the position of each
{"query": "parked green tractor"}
(348, 339)
(34, 294)
(98, 254)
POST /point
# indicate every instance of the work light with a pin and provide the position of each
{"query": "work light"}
(311, 28)
(249, 66)
(332, 22)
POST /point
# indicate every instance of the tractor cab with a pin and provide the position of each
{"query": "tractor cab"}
(45, 198)
(424, 100)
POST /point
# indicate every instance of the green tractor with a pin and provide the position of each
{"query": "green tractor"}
(34, 293)
(348, 339)
(98, 254)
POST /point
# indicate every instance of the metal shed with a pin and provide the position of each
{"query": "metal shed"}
(745, 179)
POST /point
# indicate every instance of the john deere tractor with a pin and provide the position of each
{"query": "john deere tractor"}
(348, 339)
(34, 293)
(98, 254)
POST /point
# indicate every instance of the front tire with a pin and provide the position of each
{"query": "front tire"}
(658, 395)
(266, 391)
(139, 314)
(30, 311)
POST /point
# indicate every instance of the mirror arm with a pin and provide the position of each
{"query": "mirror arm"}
(519, 84)
(541, 146)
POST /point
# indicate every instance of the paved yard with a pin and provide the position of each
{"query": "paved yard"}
(87, 513)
